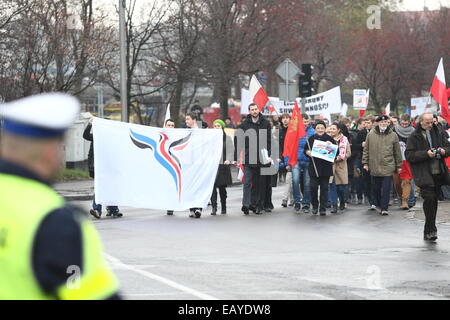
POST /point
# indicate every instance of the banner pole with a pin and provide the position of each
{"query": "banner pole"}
(312, 158)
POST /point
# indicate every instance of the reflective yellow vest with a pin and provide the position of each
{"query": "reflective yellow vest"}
(24, 203)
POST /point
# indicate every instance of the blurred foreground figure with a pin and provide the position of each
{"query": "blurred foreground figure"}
(48, 250)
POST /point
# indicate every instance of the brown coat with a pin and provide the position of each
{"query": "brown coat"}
(340, 170)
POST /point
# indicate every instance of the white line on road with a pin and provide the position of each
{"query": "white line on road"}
(168, 282)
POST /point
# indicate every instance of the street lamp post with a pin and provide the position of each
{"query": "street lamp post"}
(123, 62)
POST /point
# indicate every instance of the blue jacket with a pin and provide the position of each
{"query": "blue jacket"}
(302, 142)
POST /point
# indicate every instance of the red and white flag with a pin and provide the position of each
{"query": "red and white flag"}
(439, 91)
(240, 176)
(258, 95)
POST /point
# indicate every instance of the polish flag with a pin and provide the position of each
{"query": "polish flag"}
(387, 110)
(361, 112)
(439, 91)
(258, 95)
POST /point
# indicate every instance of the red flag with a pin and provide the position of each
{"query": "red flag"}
(296, 130)
(361, 113)
(258, 95)
(439, 91)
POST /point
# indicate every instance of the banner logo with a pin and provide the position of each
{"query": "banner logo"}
(163, 154)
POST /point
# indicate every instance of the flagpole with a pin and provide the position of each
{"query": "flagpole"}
(312, 158)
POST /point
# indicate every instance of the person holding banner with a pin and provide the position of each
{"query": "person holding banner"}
(96, 210)
(192, 121)
(223, 178)
(169, 123)
(320, 170)
(339, 183)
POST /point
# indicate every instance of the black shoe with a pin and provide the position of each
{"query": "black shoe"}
(244, 210)
(95, 213)
(223, 208)
(342, 206)
(297, 207)
(284, 204)
(268, 210)
(314, 210)
(334, 209)
(214, 210)
(323, 212)
(117, 214)
(259, 210)
(328, 206)
(252, 208)
(430, 236)
(198, 213)
(170, 212)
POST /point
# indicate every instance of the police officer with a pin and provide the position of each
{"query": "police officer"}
(48, 249)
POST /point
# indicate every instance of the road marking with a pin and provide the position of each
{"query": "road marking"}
(168, 282)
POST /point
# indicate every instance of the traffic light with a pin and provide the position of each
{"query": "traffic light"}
(305, 81)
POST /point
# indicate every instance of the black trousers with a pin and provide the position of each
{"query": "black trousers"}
(223, 196)
(314, 185)
(254, 187)
(430, 204)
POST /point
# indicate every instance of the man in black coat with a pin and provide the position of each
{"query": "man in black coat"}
(253, 139)
(425, 151)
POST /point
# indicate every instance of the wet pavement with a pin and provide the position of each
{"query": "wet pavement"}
(280, 255)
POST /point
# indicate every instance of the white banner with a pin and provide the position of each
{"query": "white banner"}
(154, 168)
(360, 99)
(328, 102)
(418, 105)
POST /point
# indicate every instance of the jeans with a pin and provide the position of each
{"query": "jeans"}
(382, 191)
(337, 191)
(301, 171)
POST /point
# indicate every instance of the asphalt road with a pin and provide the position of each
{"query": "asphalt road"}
(278, 255)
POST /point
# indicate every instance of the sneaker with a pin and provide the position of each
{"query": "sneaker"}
(384, 213)
(323, 213)
(245, 210)
(373, 207)
(305, 209)
(95, 213)
(314, 210)
(284, 204)
(297, 207)
(198, 213)
(334, 209)
(291, 204)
